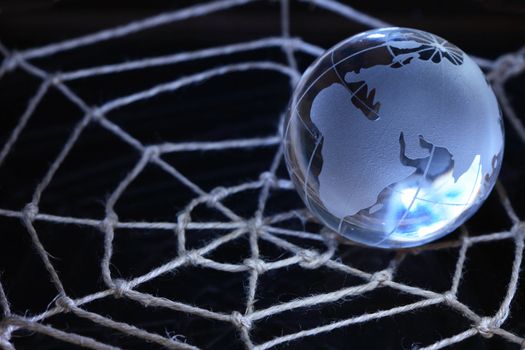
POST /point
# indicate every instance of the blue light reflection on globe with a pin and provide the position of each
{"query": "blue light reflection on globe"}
(393, 137)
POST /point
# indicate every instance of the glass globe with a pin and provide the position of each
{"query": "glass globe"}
(393, 137)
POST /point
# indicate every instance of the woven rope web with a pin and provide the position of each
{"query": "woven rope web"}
(256, 228)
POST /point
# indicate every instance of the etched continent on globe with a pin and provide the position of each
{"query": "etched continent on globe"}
(394, 137)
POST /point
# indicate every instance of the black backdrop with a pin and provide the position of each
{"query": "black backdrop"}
(239, 106)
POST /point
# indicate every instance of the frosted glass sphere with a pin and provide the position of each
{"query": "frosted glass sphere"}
(393, 137)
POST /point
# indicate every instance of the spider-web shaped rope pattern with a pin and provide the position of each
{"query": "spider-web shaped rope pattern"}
(259, 227)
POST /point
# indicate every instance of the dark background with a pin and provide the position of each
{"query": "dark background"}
(236, 106)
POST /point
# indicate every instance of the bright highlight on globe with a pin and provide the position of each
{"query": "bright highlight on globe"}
(394, 137)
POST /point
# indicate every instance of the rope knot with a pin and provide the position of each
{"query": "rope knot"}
(55, 79)
(109, 222)
(449, 297)
(12, 61)
(256, 265)
(120, 287)
(268, 178)
(192, 258)
(254, 225)
(510, 60)
(485, 327)
(312, 259)
(308, 256)
(96, 114)
(216, 195)
(65, 303)
(382, 276)
(507, 66)
(30, 211)
(240, 321)
(152, 151)
(519, 228)
(183, 218)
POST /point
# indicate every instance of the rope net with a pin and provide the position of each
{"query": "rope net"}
(305, 249)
